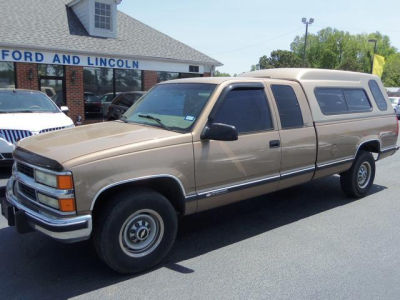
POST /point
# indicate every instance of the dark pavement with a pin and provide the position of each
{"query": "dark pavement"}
(305, 242)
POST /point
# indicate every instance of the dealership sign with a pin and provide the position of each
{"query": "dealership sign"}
(66, 59)
(59, 58)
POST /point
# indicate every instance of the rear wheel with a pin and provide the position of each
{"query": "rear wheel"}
(135, 231)
(357, 181)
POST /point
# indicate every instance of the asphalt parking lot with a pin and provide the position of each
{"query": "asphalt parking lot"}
(305, 242)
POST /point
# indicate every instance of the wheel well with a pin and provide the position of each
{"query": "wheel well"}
(371, 146)
(166, 186)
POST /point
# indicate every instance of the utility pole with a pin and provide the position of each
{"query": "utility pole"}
(309, 22)
(372, 56)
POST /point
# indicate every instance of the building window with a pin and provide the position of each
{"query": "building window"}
(194, 69)
(128, 80)
(97, 82)
(164, 76)
(189, 75)
(102, 16)
(7, 75)
(51, 70)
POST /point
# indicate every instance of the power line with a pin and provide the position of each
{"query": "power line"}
(259, 43)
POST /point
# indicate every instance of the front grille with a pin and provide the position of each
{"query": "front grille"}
(51, 129)
(13, 135)
(24, 169)
(7, 155)
(27, 191)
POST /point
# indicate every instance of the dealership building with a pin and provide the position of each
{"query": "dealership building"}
(74, 48)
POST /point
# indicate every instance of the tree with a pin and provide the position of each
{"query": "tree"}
(334, 49)
(219, 74)
(391, 71)
(280, 59)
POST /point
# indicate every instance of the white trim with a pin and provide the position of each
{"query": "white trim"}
(298, 170)
(212, 192)
(335, 162)
(124, 56)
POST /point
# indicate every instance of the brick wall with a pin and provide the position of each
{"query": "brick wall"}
(74, 92)
(207, 75)
(149, 79)
(22, 71)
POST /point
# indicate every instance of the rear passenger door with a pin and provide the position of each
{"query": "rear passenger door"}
(297, 133)
(228, 171)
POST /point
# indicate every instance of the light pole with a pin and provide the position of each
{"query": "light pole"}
(372, 56)
(309, 22)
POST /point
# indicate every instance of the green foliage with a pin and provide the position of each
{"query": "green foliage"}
(391, 71)
(280, 59)
(334, 49)
(219, 74)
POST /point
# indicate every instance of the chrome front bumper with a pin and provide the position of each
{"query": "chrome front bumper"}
(67, 229)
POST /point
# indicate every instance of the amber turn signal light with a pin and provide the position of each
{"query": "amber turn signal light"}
(67, 205)
(64, 182)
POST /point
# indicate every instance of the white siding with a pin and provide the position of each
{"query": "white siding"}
(81, 9)
(84, 10)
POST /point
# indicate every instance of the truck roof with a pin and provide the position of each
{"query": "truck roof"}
(301, 74)
(297, 74)
(212, 80)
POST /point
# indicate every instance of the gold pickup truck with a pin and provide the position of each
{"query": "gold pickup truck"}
(194, 144)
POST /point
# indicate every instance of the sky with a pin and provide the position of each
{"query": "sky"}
(237, 32)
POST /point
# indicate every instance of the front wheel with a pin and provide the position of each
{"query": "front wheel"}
(135, 231)
(357, 181)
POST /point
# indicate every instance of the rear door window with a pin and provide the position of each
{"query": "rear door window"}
(246, 109)
(288, 106)
(378, 96)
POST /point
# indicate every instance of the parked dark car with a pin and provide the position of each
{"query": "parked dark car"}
(106, 100)
(121, 103)
(93, 108)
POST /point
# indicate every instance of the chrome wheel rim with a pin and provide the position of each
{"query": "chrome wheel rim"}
(141, 233)
(364, 174)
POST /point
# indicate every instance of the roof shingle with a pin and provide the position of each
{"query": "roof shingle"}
(50, 24)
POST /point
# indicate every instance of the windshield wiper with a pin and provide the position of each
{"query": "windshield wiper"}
(155, 119)
(124, 119)
(22, 111)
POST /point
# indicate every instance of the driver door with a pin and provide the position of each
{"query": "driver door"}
(228, 171)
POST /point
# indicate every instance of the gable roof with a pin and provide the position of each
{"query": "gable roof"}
(52, 25)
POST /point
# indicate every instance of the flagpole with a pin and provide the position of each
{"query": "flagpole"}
(372, 60)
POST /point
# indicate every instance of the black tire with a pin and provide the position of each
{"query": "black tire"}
(122, 223)
(352, 181)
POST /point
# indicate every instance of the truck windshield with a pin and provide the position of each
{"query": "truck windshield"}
(26, 102)
(172, 106)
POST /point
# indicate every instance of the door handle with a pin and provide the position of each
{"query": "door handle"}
(274, 144)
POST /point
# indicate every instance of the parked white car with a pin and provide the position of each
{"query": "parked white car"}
(396, 105)
(24, 113)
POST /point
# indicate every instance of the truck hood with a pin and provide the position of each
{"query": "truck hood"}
(34, 121)
(97, 141)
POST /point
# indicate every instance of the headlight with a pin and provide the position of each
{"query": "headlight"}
(46, 178)
(49, 201)
(65, 205)
(62, 182)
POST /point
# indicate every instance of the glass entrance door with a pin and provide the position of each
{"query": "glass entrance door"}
(54, 88)
(52, 83)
